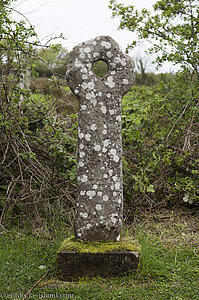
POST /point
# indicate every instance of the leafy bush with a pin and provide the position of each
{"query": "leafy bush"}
(160, 144)
(37, 153)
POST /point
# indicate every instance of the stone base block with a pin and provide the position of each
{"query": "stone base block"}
(77, 258)
(72, 266)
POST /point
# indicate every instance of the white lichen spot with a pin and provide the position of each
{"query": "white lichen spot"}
(106, 143)
(89, 96)
(95, 186)
(118, 238)
(88, 226)
(81, 135)
(84, 178)
(78, 63)
(100, 94)
(93, 127)
(105, 176)
(110, 172)
(103, 109)
(82, 193)
(84, 77)
(105, 197)
(114, 194)
(108, 95)
(90, 85)
(116, 158)
(84, 70)
(83, 107)
(117, 186)
(90, 194)
(115, 178)
(104, 150)
(81, 164)
(101, 218)
(110, 82)
(125, 81)
(96, 54)
(111, 111)
(81, 154)
(114, 218)
(94, 101)
(113, 151)
(84, 85)
(104, 131)
(121, 61)
(98, 207)
(99, 194)
(88, 136)
(87, 50)
(82, 55)
(118, 118)
(81, 146)
(105, 44)
(84, 215)
(119, 201)
(109, 54)
(97, 147)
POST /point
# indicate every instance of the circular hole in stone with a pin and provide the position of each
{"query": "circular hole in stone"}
(100, 68)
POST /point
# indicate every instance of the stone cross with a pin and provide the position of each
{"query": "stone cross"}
(99, 208)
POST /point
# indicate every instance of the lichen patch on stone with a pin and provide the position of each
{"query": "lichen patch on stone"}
(99, 167)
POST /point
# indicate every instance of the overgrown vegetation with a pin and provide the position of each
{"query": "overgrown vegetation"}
(38, 134)
(37, 149)
(160, 138)
(161, 123)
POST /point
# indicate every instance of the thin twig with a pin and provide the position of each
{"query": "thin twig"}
(178, 120)
(30, 290)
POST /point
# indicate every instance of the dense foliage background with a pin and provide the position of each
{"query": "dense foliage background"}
(38, 120)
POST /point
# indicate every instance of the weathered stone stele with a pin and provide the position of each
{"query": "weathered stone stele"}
(99, 208)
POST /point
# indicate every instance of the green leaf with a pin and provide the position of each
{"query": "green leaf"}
(150, 188)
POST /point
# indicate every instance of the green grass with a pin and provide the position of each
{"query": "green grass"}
(169, 266)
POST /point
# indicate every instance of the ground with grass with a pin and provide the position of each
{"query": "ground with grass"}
(169, 263)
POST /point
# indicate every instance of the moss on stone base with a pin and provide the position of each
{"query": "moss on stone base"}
(75, 245)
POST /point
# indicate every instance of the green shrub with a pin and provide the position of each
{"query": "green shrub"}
(160, 144)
